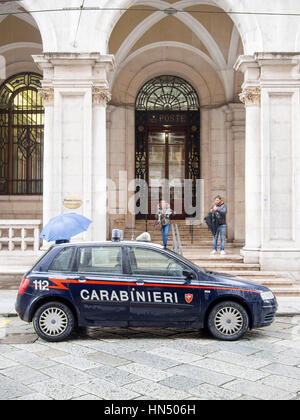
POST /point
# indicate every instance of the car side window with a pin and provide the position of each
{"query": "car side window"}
(147, 262)
(62, 261)
(100, 259)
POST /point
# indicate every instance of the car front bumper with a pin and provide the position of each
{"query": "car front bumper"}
(267, 313)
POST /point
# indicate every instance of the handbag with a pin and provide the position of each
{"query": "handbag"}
(157, 225)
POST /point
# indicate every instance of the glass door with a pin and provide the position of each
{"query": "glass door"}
(166, 169)
(176, 169)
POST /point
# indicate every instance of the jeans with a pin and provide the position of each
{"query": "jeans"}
(222, 232)
(165, 233)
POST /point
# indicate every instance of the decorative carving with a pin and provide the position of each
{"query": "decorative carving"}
(47, 94)
(250, 96)
(101, 96)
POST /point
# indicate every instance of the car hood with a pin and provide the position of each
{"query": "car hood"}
(227, 280)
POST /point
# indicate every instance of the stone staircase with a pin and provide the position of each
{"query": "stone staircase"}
(197, 245)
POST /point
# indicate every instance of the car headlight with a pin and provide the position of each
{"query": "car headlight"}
(267, 295)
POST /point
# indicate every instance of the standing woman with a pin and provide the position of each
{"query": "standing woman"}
(163, 215)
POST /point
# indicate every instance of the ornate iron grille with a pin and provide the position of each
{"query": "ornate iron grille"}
(21, 135)
(166, 102)
(167, 93)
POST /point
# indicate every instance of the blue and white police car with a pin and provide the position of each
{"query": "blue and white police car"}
(134, 284)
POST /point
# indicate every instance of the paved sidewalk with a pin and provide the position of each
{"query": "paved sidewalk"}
(287, 306)
(145, 364)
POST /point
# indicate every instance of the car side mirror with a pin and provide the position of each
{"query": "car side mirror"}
(189, 275)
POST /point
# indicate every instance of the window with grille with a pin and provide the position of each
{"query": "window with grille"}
(21, 135)
(167, 93)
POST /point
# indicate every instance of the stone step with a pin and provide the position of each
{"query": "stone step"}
(186, 241)
(250, 274)
(157, 236)
(203, 259)
(286, 292)
(187, 245)
(274, 282)
(221, 266)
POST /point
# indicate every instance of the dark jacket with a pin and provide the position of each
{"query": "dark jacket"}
(220, 213)
(216, 218)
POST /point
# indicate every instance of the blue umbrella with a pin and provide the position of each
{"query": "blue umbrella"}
(64, 227)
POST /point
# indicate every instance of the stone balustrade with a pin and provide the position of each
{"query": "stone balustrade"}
(19, 235)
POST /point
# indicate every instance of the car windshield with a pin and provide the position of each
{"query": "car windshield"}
(188, 261)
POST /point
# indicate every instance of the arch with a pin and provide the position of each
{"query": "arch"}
(192, 23)
(23, 61)
(16, 45)
(183, 69)
(44, 23)
(148, 47)
(223, 65)
(247, 25)
(233, 48)
(21, 135)
(167, 93)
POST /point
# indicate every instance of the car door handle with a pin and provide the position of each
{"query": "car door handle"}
(139, 283)
(72, 278)
(81, 279)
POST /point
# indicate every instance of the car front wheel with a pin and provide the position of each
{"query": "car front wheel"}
(54, 321)
(228, 321)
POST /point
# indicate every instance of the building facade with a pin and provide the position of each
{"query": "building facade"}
(97, 100)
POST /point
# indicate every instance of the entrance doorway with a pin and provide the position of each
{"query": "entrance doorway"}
(167, 168)
(167, 143)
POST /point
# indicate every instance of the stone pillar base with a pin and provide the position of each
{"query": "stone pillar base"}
(273, 259)
(251, 255)
(280, 259)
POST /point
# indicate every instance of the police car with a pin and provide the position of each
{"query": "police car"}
(136, 284)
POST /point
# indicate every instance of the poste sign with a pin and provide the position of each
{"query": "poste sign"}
(72, 202)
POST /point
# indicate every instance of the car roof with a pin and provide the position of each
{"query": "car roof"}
(91, 243)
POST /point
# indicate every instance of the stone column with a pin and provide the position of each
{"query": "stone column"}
(230, 172)
(75, 136)
(48, 97)
(250, 96)
(280, 157)
(238, 138)
(271, 96)
(235, 189)
(101, 96)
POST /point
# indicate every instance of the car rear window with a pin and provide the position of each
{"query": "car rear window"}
(100, 259)
(62, 261)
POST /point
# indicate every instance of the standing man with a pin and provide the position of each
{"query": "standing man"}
(219, 211)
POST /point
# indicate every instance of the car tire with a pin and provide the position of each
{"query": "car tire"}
(228, 321)
(54, 321)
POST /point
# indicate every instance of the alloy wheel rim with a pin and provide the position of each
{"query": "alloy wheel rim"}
(229, 321)
(53, 322)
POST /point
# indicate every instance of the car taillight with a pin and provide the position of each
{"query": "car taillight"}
(23, 286)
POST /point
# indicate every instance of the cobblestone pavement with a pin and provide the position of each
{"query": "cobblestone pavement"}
(139, 363)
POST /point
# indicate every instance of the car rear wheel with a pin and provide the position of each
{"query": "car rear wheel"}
(228, 321)
(54, 321)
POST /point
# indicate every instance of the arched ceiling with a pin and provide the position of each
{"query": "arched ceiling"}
(204, 40)
(212, 38)
(20, 38)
